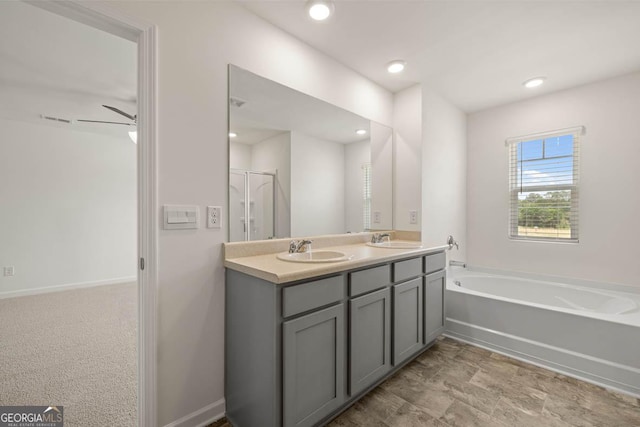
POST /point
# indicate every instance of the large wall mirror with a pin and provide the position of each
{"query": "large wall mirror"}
(299, 166)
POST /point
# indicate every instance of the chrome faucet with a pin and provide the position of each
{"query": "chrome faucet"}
(451, 242)
(296, 246)
(378, 237)
(453, 263)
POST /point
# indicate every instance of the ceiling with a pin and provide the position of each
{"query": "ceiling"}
(58, 67)
(476, 53)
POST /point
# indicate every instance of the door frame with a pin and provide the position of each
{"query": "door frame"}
(103, 17)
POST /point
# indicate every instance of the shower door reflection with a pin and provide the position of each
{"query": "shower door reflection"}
(252, 205)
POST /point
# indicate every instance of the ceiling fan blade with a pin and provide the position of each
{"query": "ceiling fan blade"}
(102, 121)
(119, 111)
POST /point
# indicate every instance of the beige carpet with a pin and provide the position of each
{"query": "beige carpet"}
(75, 349)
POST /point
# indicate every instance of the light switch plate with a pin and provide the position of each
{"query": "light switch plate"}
(181, 217)
(214, 217)
(377, 217)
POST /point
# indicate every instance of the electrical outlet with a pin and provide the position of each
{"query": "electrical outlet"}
(10, 271)
(214, 217)
(377, 217)
(413, 217)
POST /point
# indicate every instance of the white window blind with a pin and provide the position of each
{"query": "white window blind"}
(366, 193)
(543, 185)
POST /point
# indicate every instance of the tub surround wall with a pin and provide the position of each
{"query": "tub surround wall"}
(197, 41)
(608, 202)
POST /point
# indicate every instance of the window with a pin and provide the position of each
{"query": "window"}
(543, 186)
(366, 193)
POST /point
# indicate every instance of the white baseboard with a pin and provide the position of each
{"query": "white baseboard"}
(597, 371)
(67, 287)
(201, 417)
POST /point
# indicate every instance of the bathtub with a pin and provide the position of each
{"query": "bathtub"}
(578, 328)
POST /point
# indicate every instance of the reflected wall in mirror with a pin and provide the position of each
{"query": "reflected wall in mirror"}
(299, 166)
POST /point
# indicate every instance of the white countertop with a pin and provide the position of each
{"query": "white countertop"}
(272, 269)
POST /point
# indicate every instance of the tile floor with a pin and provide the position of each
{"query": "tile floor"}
(458, 385)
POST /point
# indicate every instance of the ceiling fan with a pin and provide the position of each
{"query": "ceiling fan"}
(133, 118)
(133, 134)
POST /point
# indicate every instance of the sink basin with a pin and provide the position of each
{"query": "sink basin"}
(396, 245)
(314, 256)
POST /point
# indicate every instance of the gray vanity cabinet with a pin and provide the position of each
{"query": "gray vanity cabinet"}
(313, 366)
(434, 287)
(407, 319)
(370, 333)
(298, 353)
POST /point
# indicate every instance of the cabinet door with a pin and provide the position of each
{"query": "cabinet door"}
(434, 287)
(407, 319)
(370, 333)
(313, 366)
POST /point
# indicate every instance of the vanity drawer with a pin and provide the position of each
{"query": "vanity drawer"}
(434, 262)
(408, 269)
(369, 280)
(307, 296)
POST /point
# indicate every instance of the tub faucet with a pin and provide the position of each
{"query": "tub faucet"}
(378, 237)
(453, 263)
(451, 242)
(296, 246)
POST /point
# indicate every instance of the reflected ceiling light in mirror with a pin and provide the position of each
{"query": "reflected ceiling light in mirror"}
(396, 66)
(319, 10)
(232, 134)
(134, 136)
(361, 132)
(534, 82)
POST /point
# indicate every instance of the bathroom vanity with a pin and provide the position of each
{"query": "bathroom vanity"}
(304, 341)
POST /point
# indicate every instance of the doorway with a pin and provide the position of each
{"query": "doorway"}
(131, 304)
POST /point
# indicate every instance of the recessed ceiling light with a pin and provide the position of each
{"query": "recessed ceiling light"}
(361, 132)
(534, 82)
(396, 66)
(319, 10)
(232, 134)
